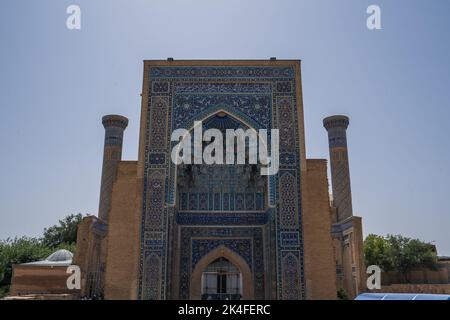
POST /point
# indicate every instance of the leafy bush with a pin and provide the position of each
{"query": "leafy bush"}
(342, 294)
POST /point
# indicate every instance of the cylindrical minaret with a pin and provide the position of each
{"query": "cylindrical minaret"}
(112, 154)
(340, 174)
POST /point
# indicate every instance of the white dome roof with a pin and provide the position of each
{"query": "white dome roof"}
(60, 255)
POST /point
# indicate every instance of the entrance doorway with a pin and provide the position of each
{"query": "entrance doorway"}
(221, 280)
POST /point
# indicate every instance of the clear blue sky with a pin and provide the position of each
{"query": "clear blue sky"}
(55, 84)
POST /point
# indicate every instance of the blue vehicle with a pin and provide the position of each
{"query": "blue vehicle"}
(402, 296)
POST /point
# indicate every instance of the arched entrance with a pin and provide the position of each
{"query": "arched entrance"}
(222, 274)
(221, 280)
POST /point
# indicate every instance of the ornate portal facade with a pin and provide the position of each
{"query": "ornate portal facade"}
(220, 231)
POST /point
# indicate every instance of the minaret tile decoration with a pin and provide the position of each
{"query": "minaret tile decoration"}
(340, 173)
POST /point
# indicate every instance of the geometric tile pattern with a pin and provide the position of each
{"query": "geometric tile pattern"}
(262, 97)
(290, 267)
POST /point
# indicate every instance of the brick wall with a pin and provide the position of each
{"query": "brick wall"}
(320, 270)
(123, 248)
(31, 279)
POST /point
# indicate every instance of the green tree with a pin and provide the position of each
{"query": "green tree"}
(16, 251)
(376, 252)
(398, 253)
(408, 254)
(63, 233)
